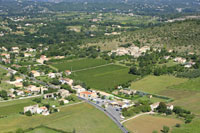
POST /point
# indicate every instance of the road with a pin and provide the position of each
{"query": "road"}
(108, 114)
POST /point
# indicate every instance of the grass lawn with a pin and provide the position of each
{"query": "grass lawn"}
(77, 64)
(149, 123)
(156, 84)
(192, 127)
(83, 117)
(42, 130)
(104, 77)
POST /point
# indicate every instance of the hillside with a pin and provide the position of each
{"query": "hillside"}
(181, 36)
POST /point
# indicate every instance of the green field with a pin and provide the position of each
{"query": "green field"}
(83, 117)
(156, 84)
(77, 64)
(14, 107)
(104, 77)
(149, 123)
(191, 85)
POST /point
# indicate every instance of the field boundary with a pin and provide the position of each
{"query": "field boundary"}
(93, 67)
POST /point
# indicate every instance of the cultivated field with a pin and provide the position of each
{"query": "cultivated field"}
(156, 84)
(83, 117)
(77, 64)
(104, 77)
(149, 123)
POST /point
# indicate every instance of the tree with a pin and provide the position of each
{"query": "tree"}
(62, 102)
(12, 77)
(162, 108)
(4, 94)
(19, 130)
(165, 129)
(28, 113)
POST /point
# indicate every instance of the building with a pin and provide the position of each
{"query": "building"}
(66, 81)
(128, 91)
(49, 95)
(15, 49)
(180, 60)
(68, 72)
(78, 88)
(32, 109)
(27, 55)
(63, 93)
(106, 95)
(87, 95)
(170, 106)
(154, 106)
(35, 73)
(42, 59)
(33, 89)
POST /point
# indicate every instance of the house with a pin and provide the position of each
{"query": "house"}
(18, 84)
(41, 109)
(180, 60)
(68, 72)
(87, 95)
(43, 89)
(49, 95)
(166, 57)
(51, 75)
(63, 93)
(66, 81)
(33, 89)
(27, 55)
(154, 106)
(42, 59)
(106, 95)
(128, 91)
(16, 66)
(20, 92)
(64, 100)
(4, 49)
(7, 56)
(30, 50)
(170, 106)
(32, 109)
(35, 73)
(15, 49)
(18, 79)
(78, 88)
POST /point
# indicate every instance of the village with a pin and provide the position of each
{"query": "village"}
(25, 82)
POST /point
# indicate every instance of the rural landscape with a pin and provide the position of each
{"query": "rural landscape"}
(99, 66)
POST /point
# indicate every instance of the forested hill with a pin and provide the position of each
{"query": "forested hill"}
(181, 36)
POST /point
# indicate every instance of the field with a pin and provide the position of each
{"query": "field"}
(104, 77)
(81, 117)
(185, 92)
(193, 127)
(77, 64)
(148, 123)
(14, 107)
(156, 84)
